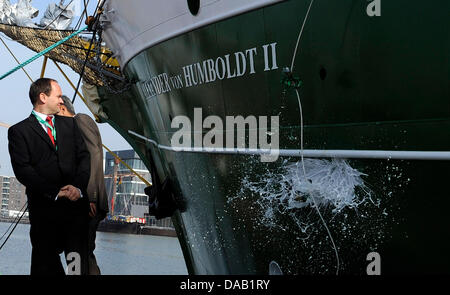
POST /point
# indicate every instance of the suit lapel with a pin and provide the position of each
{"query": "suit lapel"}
(59, 131)
(37, 127)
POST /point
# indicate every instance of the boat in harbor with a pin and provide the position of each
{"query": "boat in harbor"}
(350, 102)
(135, 227)
(371, 78)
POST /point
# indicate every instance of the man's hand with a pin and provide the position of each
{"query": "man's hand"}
(93, 211)
(70, 192)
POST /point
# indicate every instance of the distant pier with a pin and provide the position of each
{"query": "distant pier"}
(135, 228)
(10, 220)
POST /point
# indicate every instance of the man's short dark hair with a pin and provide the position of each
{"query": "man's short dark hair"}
(41, 85)
(68, 104)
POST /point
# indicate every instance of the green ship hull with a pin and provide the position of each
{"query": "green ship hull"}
(365, 83)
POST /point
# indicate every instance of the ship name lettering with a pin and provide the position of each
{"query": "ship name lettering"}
(273, 47)
(229, 66)
(247, 284)
(177, 82)
(191, 285)
(157, 85)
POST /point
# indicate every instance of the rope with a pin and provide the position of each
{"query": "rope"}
(85, 8)
(62, 11)
(100, 65)
(126, 165)
(301, 140)
(77, 26)
(44, 66)
(313, 198)
(7, 238)
(300, 35)
(97, 16)
(70, 82)
(84, 66)
(14, 221)
(16, 59)
(48, 49)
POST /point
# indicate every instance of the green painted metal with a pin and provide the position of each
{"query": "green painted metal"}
(367, 83)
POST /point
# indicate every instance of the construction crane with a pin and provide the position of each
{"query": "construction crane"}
(117, 180)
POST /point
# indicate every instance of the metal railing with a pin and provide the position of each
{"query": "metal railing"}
(165, 222)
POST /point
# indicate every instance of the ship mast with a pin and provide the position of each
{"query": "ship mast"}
(116, 166)
(115, 181)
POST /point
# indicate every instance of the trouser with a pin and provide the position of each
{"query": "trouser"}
(93, 225)
(50, 237)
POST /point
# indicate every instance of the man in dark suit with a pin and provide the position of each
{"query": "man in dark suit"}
(50, 158)
(96, 188)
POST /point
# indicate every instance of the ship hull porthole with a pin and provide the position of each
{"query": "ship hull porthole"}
(194, 6)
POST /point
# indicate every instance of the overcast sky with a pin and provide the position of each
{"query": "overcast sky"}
(15, 104)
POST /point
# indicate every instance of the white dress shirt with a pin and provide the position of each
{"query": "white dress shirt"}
(43, 117)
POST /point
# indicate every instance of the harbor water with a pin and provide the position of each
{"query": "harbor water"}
(117, 254)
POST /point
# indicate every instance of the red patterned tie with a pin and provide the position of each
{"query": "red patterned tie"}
(49, 131)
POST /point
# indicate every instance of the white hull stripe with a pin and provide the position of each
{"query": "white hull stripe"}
(347, 154)
(132, 26)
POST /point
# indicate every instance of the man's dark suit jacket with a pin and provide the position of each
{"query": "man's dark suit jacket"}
(44, 170)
